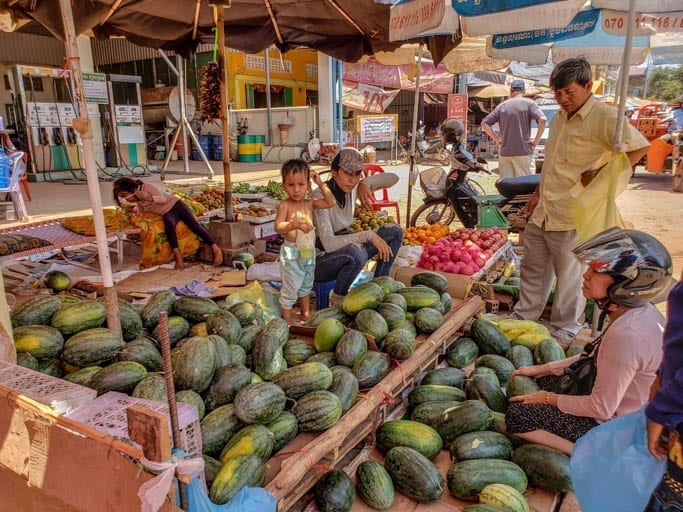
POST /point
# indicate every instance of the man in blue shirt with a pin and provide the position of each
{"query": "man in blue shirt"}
(676, 123)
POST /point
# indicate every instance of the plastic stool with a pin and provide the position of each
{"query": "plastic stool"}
(322, 293)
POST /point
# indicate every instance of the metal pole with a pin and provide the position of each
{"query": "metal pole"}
(83, 126)
(623, 74)
(414, 172)
(225, 120)
(183, 118)
(269, 113)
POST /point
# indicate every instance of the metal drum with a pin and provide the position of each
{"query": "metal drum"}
(160, 103)
(249, 147)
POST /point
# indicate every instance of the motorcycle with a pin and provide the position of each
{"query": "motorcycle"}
(319, 152)
(454, 195)
(426, 149)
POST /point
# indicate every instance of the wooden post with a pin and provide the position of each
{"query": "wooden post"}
(150, 430)
(225, 119)
(83, 126)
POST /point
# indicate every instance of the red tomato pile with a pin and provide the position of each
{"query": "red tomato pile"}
(465, 251)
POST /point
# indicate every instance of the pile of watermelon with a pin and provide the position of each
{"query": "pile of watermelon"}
(461, 407)
(465, 251)
(255, 386)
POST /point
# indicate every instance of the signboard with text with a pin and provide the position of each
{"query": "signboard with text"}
(95, 88)
(377, 128)
(368, 98)
(457, 108)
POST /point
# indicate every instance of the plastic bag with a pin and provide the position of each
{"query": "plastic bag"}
(611, 467)
(254, 292)
(595, 208)
(153, 493)
(252, 499)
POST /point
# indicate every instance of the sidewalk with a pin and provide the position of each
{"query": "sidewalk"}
(52, 200)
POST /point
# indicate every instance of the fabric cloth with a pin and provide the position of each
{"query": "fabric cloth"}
(11, 243)
(180, 212)
(333, 220)
(629, 356)
(193, 288)
(511, 166)
(575, 145)
(548, 256)
(666, 407)
(345, 264)
(153, 200)
(297, 274)
(514, 118)
(522, 418)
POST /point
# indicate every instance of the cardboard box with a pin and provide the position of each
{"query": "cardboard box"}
(229, 235)
(264, 230)
(459, 286)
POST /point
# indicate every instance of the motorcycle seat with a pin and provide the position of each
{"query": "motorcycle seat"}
(518, 185)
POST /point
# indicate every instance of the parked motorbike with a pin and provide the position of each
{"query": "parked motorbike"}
(455, 195)
(430, 149)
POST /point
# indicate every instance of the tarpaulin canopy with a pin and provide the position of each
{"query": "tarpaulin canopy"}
(344, 29)
(432, 78)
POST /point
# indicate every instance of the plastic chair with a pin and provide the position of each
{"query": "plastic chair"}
(322, 293)
(384, 202)
(16, 172)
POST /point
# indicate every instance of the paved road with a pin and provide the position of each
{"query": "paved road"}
(649, 202)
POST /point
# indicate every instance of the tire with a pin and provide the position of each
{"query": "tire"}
(431, 213)
(305, 156)
(476, 187)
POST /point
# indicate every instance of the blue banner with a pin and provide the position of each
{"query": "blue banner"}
(479, 7)
(583, 23)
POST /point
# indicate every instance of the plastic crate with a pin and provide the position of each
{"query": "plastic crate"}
(107, 414)
(61, 395)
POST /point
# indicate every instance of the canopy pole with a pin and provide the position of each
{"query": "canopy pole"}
(225, 120)
(82, 125)
(413, 171)
(623, 75)
(269, 112)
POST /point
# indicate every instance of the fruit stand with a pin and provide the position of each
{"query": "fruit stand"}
(388, 386)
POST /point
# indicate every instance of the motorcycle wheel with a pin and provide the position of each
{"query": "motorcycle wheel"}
(431, 213)
(306, 156)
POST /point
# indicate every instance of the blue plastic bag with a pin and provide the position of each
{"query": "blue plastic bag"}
(249, 499)
(154, 492)
(611, 467)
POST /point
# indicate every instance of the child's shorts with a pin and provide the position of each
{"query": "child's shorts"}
(297, 274)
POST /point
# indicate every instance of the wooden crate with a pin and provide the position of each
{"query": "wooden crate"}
(297, 467)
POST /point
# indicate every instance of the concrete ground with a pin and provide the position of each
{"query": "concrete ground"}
(649, 202)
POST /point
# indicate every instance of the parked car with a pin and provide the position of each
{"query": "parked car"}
(539, 150)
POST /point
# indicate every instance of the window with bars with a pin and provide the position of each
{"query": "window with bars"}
(311, 70)
(257, 62)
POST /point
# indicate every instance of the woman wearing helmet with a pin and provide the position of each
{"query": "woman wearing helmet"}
(626, 270)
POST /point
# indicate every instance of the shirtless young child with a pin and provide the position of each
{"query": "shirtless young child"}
(294, 221)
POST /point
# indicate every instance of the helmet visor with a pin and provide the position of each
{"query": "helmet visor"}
(611, 252)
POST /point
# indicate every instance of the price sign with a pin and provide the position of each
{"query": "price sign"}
(368, 98)
(457, 108)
